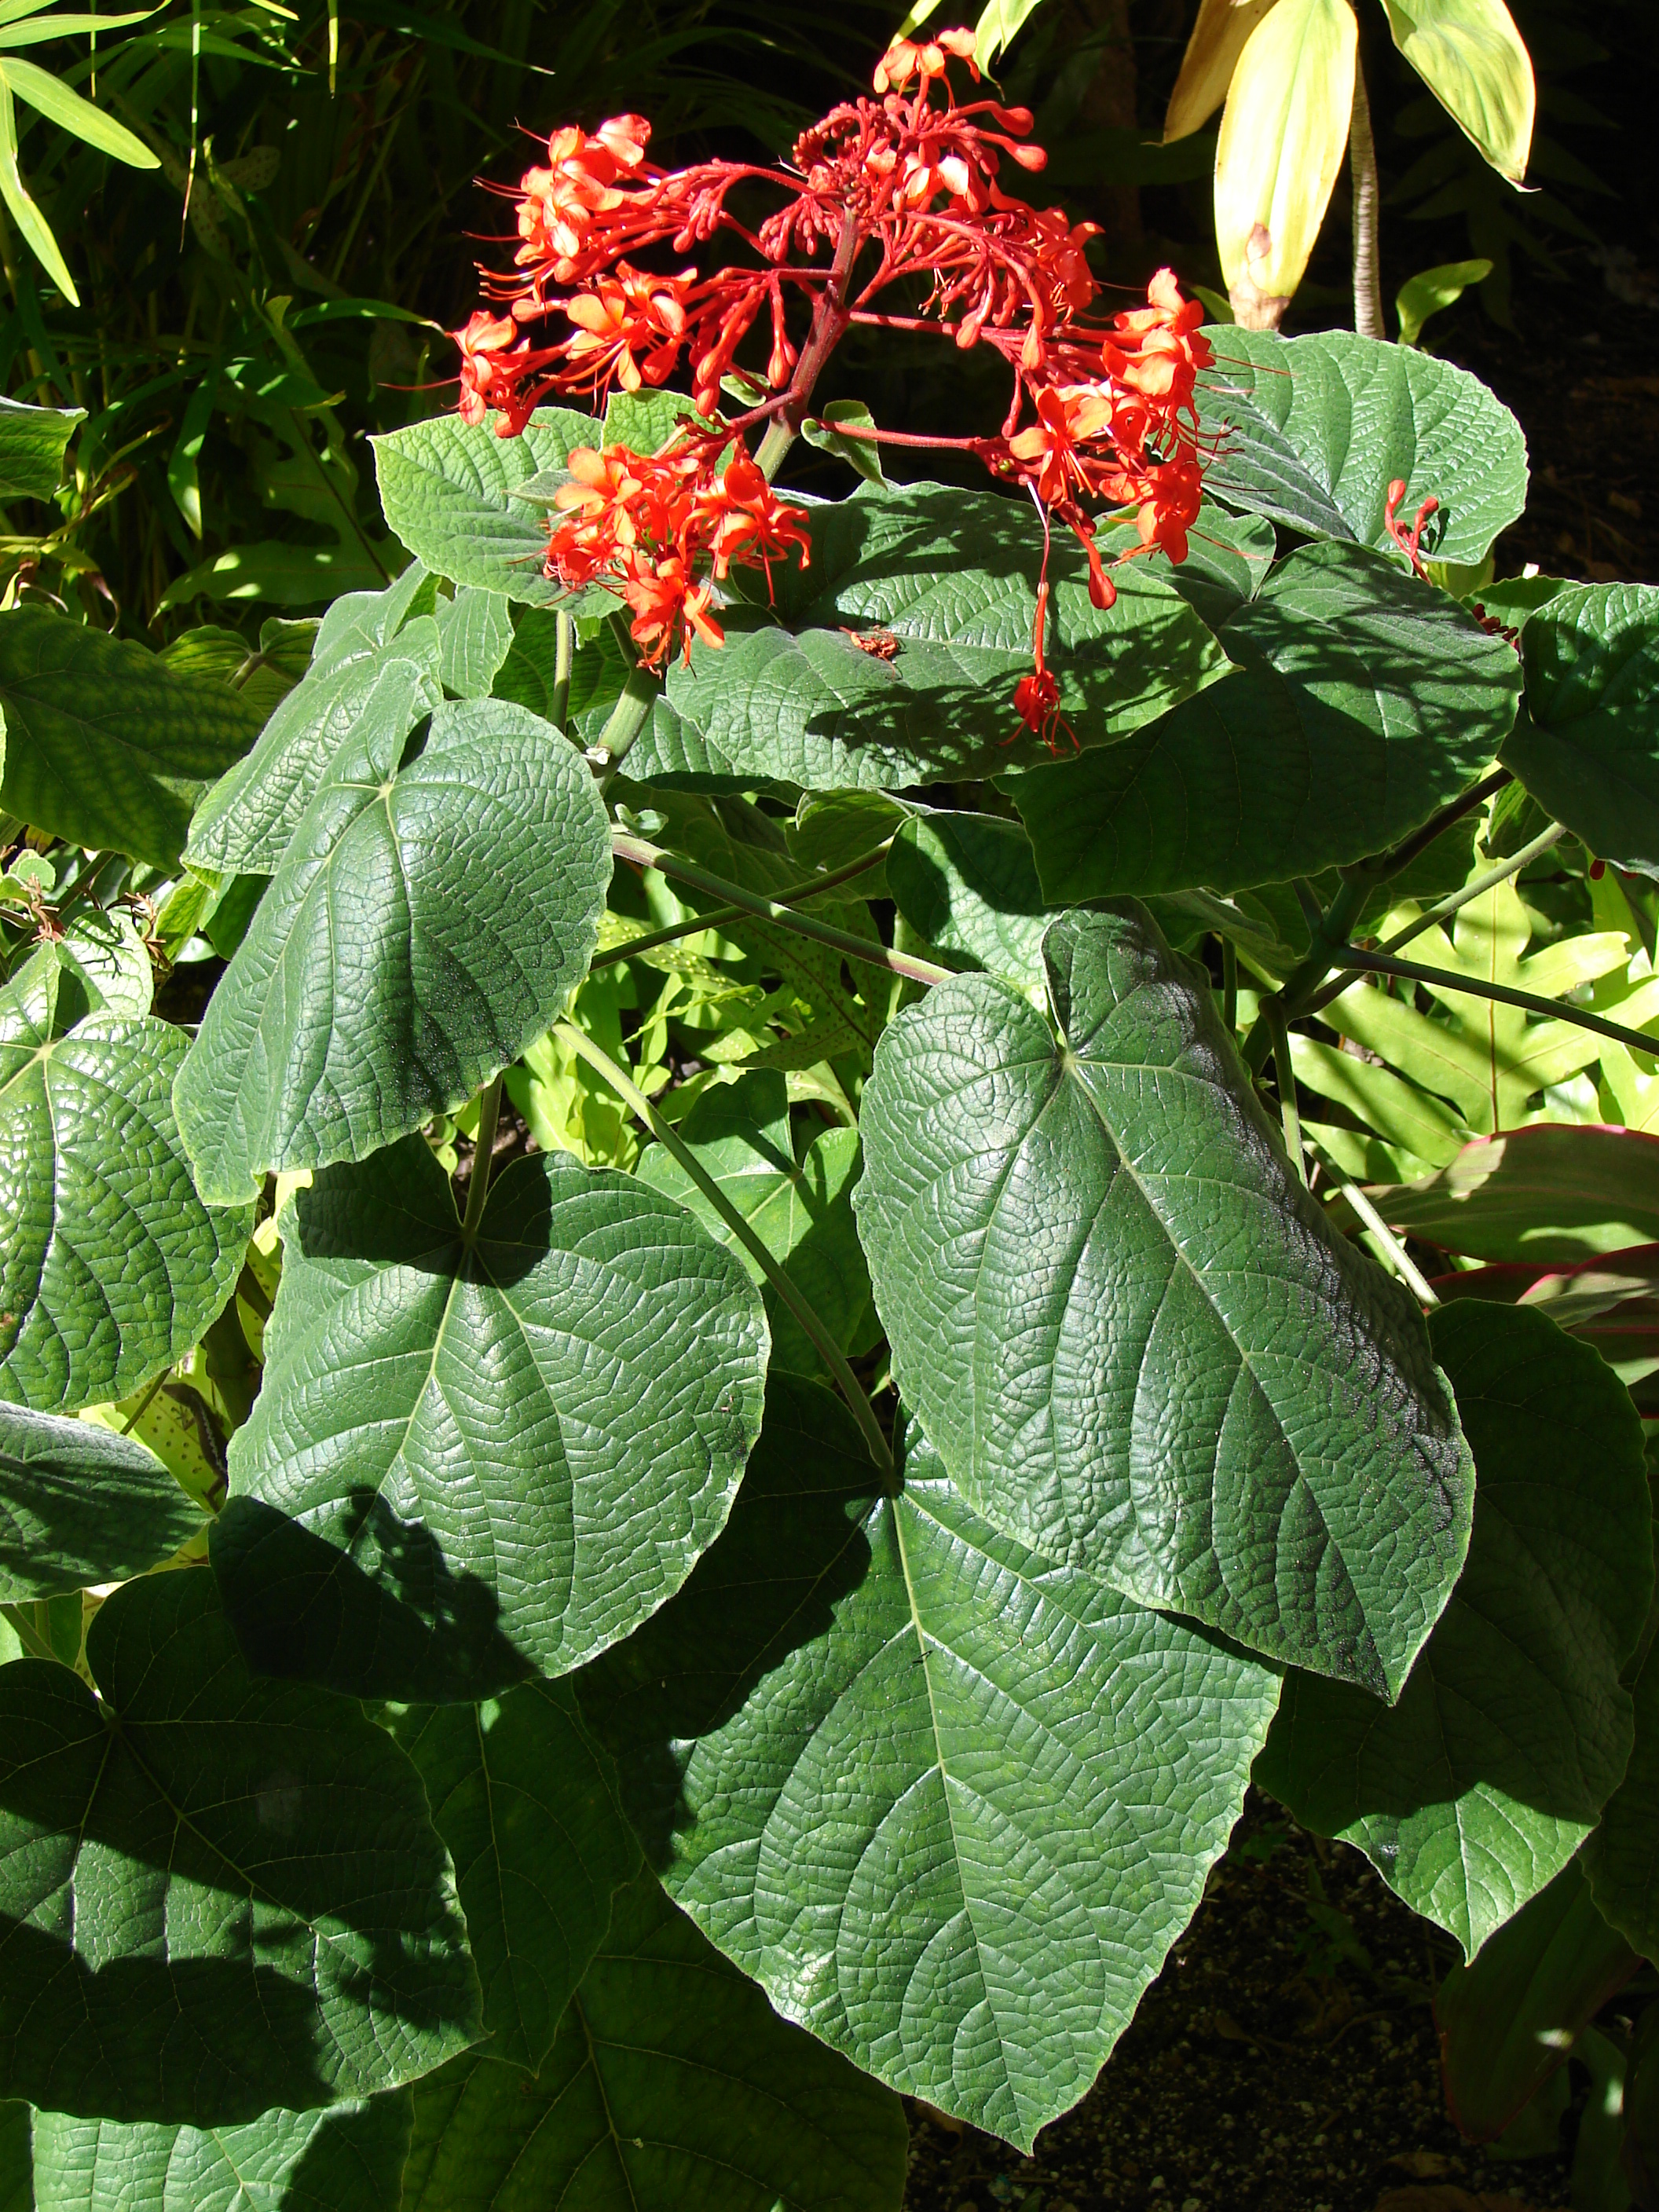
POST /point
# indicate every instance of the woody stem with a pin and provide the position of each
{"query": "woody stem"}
(829, 320)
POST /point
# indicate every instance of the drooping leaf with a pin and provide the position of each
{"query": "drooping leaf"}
(1362, 700)
(1556, 1192)
(104, 744)
(1586, 746)
(1284, 134)
(1135, 1341)
(1217, 39)
(446, 488)
(1475, 63)
(1513, 1731)
(32, 444)
(346, 2158)
(216, 1894)
(475, 631)
(500, 1454)
(968, 884)
(80, 1504)
(673, 2087)
(525, 1803)
(421, 930)
(112, 1267)
(1314, 429)
(1511, 2016)
(952, 576)
(949, 1802)
(800, 1208)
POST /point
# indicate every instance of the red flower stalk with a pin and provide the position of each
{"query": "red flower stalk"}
(1408, 539)
(879, 193)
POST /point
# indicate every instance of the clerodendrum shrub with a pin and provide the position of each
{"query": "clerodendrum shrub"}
(581, 1677)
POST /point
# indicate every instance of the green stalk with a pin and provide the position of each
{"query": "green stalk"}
(1409, 971)
(644, 854)
(666, 1135)
(1404, 1266)
(1304, 979)
(564, 652)
(1289, 1117)
(484, 1152)
(716, 917)
(1229, 985)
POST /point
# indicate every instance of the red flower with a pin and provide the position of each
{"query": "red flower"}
(625, 315)
(667, 602)
(495, 361)
(1065, 419)
(906, 58)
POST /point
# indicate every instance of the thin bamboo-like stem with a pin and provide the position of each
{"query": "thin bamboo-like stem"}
(666, 1135)
(1404, 1266)
(716, 917)
(1367, 208)
(1411, 971)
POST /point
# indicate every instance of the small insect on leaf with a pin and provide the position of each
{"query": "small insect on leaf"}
(879, 644)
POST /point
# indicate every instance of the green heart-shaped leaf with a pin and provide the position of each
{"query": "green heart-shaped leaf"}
(1134, 1339)
(82, 1504)
(1514, 1728)
(348, 2158)
(525, 1803)
(673, 2087)
(421, 929)
(967, 884)
(1363, 701)
(500, 1454)
(216, 1894)
(1587, 746)
(113, 1267)
(446, 488)
(951, 577)
(1313, 430)
(951, 1803)
(103, 743)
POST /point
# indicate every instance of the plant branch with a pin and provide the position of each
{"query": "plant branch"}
(670, 1137)
(829, 313)
(792, 895)
(1391, 864)
(643, 854)
(1404, 1265)
(1444, 979)
(483, 1151)
(1362, 155)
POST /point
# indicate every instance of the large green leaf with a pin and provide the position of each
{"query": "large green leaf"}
(216, 1894)
(949, 1802)
(423, 928)
(1513, 1731)
(1588, 745)
(476, 629)
(801, 1209)
(673, 2087)
(112, 1267)
(80, 1504)
(103, 743)
(1557, 1191)
(525, 1803)
(1510, 2017)
(1314, 429)
(1363, 701)
(446, 488)
(952, 575)
(1620, 1859)
(348, 2158)
(968, 884)
(31, 443)
(1136, 1342)
(502, 1453)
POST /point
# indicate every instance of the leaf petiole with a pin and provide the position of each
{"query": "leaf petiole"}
(1411, 971)
(846, 1382)
(716, 916)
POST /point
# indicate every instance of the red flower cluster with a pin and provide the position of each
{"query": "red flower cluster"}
(1409, 540)
(880, 193)
(641, 526)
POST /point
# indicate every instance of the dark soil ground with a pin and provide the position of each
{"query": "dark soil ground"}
(1284, 2061)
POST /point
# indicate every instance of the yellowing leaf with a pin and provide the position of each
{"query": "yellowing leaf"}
(1283, 134)
(1475, 63)
(1207, 67)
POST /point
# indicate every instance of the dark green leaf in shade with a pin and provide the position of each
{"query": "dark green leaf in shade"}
(474, 630)
(1313, 430)
(499, 1454)
(1363, 700)
(1228, 560)
(447, 487)
(346, 2158)
(105, 745)
(1622, 1858)
(1587, 748)
(216, 1894)
(801, 1208)
(525, 1803)
(421, 930)
(1135, 1340)
(949, 1802)
(673, 2087)
(1514, 1730)
(1510, 2017)
(31, 443)
(16, 2160)
(79, 1504)
(952, 575)
(112, 1267)
(967, 884)
(1557, 1191)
